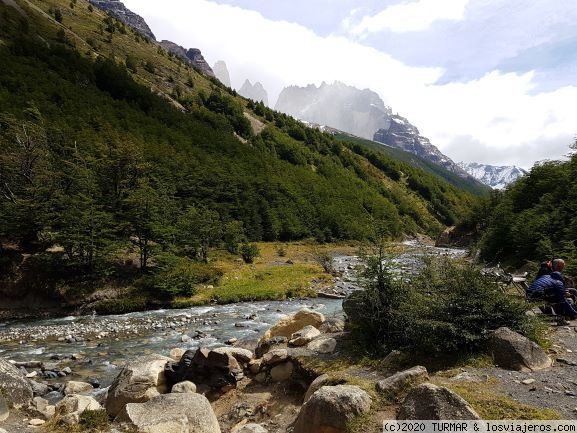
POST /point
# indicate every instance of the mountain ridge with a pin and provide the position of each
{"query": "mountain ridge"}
(497, 177)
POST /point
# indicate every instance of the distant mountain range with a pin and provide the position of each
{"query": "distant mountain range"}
(497, 177)
(221, 71)
(255, 91)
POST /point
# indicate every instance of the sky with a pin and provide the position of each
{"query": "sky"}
(489, 81)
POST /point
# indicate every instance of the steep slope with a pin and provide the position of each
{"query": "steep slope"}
(497, 177)
(196, 155)
(255, 91)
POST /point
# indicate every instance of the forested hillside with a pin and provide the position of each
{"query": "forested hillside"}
(109, 145)
(533, 219)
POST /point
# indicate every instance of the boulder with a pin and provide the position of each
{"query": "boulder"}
(428, 401)
(514, 351)
(281, 372)
(177, 353)
(331, 408)
(240, 354)
(332, 326)
(39, 389)
(304, 336)
(204, 366)
(171, 413)
(249, 428)
(402, 380)
(316, 384)
(14, 386)
(186, 387)
(74, 387)
(72, 406)
(288, 326)
(265, 346)
(138, 381)
(323, 345)
(275, 356)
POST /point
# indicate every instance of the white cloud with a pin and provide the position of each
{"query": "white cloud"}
(409, 16)
(498, 110)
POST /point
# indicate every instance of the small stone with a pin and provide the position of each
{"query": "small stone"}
(67, 370)
(31, 375)
(231, 341)
(571, 393)
(528, 381)
(36, 422)
(185, 387)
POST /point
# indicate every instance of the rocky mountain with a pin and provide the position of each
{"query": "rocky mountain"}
(221, 72)
(497, 177)
(362, 113)
(192, 56)
(118, 10)
(400, 133)
(358, 112)
(255, 91)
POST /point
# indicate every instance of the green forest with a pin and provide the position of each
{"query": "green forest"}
(534, 219)
(94, 166)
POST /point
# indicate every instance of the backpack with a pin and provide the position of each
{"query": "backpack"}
(545, 268)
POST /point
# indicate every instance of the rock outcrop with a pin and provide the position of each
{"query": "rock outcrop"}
(192, 56)
(255, 91)
(72, 406)
(512, 350)
(221, 72)
(219, 370)
(402, 380)
(139, 381)
(428, 401)
(14, 386)
(171, 413)
(118, 10)
(330, 409)
(400, 133)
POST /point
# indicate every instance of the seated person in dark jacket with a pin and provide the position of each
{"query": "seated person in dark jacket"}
(552, 288)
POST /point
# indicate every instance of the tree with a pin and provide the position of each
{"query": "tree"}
(58, 15)
(198, 230)
(233, 236)
(147, 210)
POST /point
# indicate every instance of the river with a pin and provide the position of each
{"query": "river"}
(95, 347)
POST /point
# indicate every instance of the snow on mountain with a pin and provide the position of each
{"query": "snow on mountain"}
(497, 177)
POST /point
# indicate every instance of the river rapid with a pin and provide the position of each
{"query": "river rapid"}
(96, 347)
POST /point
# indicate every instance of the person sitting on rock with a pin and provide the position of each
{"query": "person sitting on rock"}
(551, 287)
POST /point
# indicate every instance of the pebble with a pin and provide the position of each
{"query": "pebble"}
(528, 381)
(35, 422)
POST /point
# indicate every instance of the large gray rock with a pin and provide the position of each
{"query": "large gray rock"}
(265, 346)
(219, 370)
(315, 385)
(138, 382)
(14, 386)
(288, 326)
(74, 387)
(323, 345)
(71, 407)
(514, 351)
(238, 353)
(330, 409)
(428, 401)
(304, 336)
(402, 380)
(171, 413)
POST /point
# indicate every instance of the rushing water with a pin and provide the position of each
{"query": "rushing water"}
(95, 346)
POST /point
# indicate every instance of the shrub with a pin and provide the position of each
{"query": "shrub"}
(94, 420)
(249, 252)
(325, 260)
(448, 307)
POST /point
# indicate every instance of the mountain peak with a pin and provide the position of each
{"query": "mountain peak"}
(495, 176)
(117, 9)
(255, 91)
(221, 71)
